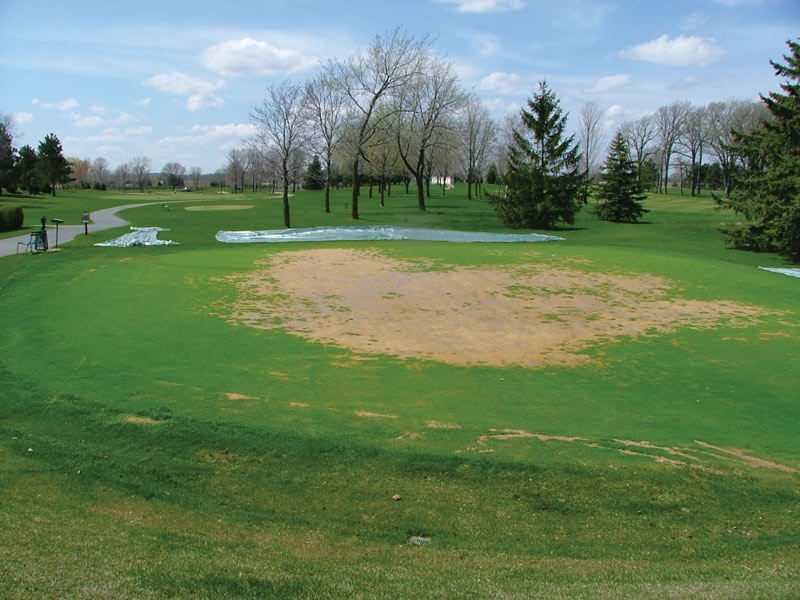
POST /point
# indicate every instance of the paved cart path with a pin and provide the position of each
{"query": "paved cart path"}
(105, 218)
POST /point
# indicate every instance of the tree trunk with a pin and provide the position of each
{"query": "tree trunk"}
(699, 170)
(286, 221)
(420, 190)
(354, 207)
(382, 186)
(327, 196)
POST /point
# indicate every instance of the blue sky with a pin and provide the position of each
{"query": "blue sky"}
(177, 80)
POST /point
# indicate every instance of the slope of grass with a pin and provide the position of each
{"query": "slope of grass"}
(151, 449)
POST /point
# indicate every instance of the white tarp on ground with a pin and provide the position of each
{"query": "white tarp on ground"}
(140, 236)
(358, 233)
(789, 272)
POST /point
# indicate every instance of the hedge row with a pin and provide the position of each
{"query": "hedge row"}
(11, 218)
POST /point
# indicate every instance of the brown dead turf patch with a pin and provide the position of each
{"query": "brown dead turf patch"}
(533, 315)
(140, 420)
(372, 415)
(234, 396)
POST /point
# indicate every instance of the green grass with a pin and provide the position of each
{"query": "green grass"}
(128, 472)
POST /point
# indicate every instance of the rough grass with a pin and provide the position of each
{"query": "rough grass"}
(151, 449)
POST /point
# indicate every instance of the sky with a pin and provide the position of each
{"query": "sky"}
(176, 81)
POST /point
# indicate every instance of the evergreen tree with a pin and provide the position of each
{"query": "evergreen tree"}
(768, 188)
(27, 175)
(51, 162)
(7, 156)
(492, 175)
(314, 177)
(544, 180)
(620, 198)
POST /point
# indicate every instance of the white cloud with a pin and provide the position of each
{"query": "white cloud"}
(694, 20)
(610, 82)
(488, 43)
(64, 105)
(199, 92)
(142, 101)
(614, 110)
(500, 107)
(255, 58)
(93, 121)
(681, 51)
(22, 117)
(103, 117)
(500, 83)
(239, 130)
(143, 130)
(197, 136)
(485, 6)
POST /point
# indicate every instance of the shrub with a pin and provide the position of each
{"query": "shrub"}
(11, 218)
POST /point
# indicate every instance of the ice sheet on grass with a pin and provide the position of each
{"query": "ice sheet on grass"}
(789, 272)
(359, 233)
(140, 236)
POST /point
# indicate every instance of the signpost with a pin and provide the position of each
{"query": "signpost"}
(85, 219)
(57, 222)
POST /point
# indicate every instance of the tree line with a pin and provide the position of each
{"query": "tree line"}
(396, 112)
(547, 178)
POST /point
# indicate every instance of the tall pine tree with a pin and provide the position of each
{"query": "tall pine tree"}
(767, 191)
(544, 180)
(619, 196)
(51, 162)
(314, 177)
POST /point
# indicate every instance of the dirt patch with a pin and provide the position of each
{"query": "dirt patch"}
(532, 315)
(372, 415)
(705, 457)
(140, 420)
(438, 425)
(220, 207)
(753, 461)
(233, 396)
(510, 434)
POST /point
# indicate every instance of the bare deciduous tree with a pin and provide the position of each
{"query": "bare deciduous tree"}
(590, 136)
(99, 170)
(670, 123)
(476, 134)
(366, 79)
(640, 135)
(235, 169)
(691, 144)
(425, 103)
(326, 103)
(283, 128)
(195, 173)
(724, 118)
(140, 169)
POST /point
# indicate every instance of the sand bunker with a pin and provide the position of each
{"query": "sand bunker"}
(532, 315)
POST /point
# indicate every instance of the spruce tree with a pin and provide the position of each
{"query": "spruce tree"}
(767, 190)
(314, 177)
(620, 198)
(544, 180)
(51, 162)
(27, 174)
(7, 156)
